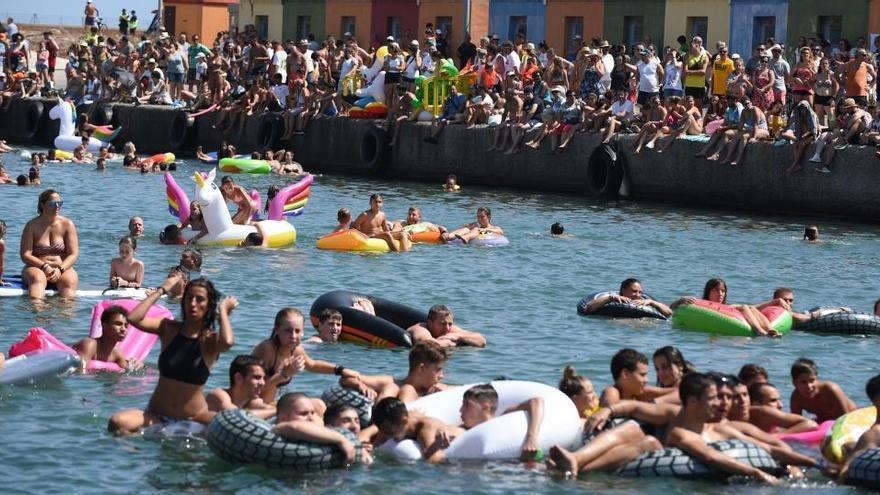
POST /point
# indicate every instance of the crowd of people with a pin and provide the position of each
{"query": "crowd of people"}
(816, 92)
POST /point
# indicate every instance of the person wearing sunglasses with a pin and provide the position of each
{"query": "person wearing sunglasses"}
(49, 249)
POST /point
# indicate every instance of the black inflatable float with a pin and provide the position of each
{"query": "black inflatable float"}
(673, 462)
(841, 322)
(387, 328)
(618, 309)
(864, 470)
(341, 396)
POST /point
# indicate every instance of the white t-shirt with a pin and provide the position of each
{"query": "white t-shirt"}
(618, 107)
(672, 77)
(279, 61)
(411, 71)
(511, 62)
(648, 82)
(281, 91)
(347, 66)
(608, 61)
(427, 65)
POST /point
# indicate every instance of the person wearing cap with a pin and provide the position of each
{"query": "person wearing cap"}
(91, 13)
(853, 76)
(696, 64)
(608, 62)
(721, 69)
(650, 72)
(305, 57)
(853, 121)
(782, 70)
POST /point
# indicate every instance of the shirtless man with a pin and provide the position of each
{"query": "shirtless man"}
(471, 231)
(329, 327)
(392, 421)
(246, 380)
(766, 412)
(629, 369)
(426, 363)
(114, 326)
(298, 420)
(238, 195)
(373, 223)
(413, 217)
(440, 329)
(825, 398)
(870, 439)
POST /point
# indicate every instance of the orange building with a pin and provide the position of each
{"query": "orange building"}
(352, 16)
(205, 17)
(449, 15)
(569, 18)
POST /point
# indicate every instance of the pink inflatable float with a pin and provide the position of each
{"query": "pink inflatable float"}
(813, 437)
(136, 344)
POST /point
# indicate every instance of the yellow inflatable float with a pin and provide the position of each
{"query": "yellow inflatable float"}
(351, 240)
(847, 430)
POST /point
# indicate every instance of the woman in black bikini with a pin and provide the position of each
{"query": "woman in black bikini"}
(49, 249)
(190, 348)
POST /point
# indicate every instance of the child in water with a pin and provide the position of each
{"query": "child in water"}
(811, 234)
(825, 399)
(451, 184)
(580, 390)
(343, 216)
(557, 229)
(126, 271)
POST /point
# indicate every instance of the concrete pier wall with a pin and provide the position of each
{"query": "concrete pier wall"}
(360, 147)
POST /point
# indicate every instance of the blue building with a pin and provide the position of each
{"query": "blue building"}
(753, 21)
(507, 18)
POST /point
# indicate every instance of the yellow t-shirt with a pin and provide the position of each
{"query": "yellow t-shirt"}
(694, 62)
(720, 70)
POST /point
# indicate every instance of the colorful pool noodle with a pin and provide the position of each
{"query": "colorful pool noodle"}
(178, 201)
(276, 206)
(105, 133)
(256, 198)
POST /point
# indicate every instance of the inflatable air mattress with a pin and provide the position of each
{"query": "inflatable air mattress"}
(244, 166)
(847, 429)
(723, 319)
(15, 288)
(352, 240)
(37, 366)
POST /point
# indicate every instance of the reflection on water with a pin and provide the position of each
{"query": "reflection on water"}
(523, 297)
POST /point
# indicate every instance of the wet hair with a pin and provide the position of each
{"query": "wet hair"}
(427, 352)
(33, 173)
(389, 410)
(213, 300)
(438, 311)
(2, 228)
(780, 291)
(170, 234)
(571, 383)
(557, 229)
(628, 282)
(131, 241)
(803, 366)
(675, 357)
(227, 179)
(240, 365)
(342, 213)
(756, 392)
(44, 196)
(196, 256)
(751, 371)
(694, 385)
(329, 314)
(22, 180)
(286, 402)
(713, 283)
(375, 196)
(872, 388)
(811, 233)
(483, 393)
(273, 190)
(111, 312)
(334, 412)
(485, 210)
(626, 359)
(254, 239)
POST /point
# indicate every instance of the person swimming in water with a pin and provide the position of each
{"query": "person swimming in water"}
(440, 328)
(247, 377)
(715, 291)
(114, 327)
(238, 195)
(557, 229)
(581, 392)
(373, 223)
(343, 217)
(811, 234)
(190, 347)
(3, 253)
(414, 217)
(471, 231)
(126, 270)
(631, 293)
(299, 420)
(451, 184)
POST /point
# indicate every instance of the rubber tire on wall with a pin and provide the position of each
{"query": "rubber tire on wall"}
(374, 149)
(269, 132)
(182, 131)
(33, 115)
(103, 115)
(604, 172)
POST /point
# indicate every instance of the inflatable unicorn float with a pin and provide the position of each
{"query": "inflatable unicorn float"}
(65, 113)
(288, 202)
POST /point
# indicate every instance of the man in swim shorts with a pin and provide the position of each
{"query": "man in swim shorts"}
(413, 217)
(426, 362)
(373, 223)
(471, 231)
(298, 420)
(247, 376)
(440, 329)
(136, 226)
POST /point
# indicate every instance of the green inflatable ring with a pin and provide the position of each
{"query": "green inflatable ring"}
(722, 319)
(244, 166)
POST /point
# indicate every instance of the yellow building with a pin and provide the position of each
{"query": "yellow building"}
(267, 16)
(710, 19)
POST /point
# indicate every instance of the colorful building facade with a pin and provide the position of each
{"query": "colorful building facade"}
(203, 17)
(509, 18)
(709, 19)
(349, 16)
(398, 18)
(267, 16)
(753, 21)
(303, 17)
(630, 21)
(571, 21)
(829, 19)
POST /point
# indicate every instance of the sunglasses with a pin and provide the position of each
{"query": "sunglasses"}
(55, 204)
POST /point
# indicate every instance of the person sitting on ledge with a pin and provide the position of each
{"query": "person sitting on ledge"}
(454, 111)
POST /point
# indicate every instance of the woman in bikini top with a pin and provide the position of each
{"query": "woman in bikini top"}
(190, 347)
(49, 249)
